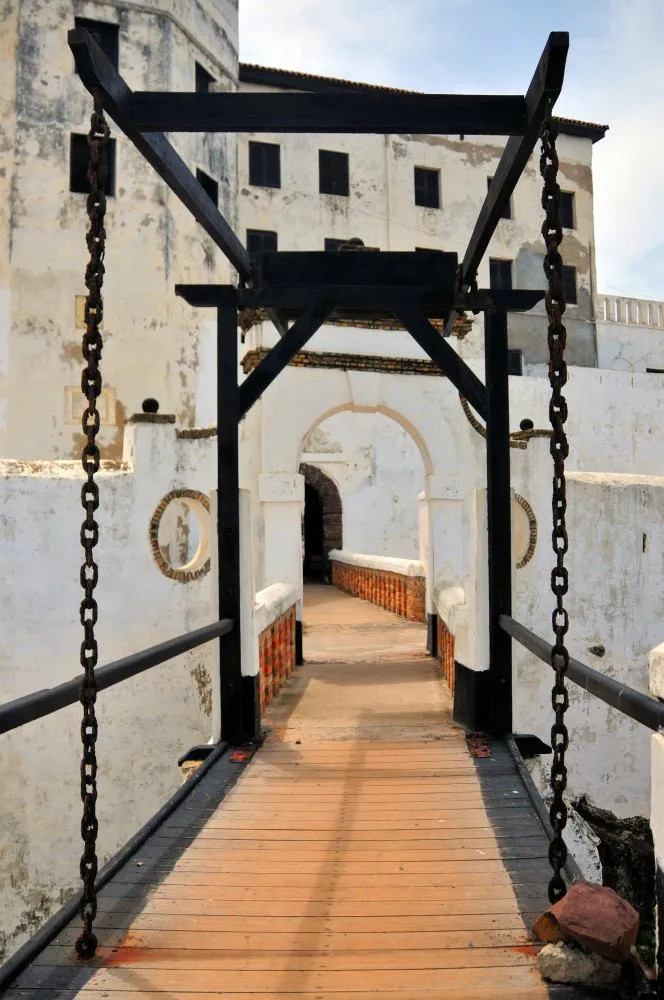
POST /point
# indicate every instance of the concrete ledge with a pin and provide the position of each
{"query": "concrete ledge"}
(271, 603)
(386, 564)
(447, 602)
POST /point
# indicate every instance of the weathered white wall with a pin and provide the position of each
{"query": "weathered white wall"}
(146, 722)
(616, 600)
(151, 338)
(378, 469)
(381, 211)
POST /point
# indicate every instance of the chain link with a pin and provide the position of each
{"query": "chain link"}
(98, 137)
(557, 338)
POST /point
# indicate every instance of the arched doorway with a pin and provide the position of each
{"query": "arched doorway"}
(322, 523)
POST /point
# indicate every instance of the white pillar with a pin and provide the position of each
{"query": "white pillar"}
(447, 531)
(282, 497)
(249, 647)
(426, 551)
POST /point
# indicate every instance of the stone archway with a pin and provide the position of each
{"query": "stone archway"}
(330, 510)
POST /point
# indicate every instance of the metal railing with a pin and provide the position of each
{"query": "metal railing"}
(40, 703)
(636, 705)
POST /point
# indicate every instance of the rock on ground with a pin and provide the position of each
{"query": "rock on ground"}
(567, 963)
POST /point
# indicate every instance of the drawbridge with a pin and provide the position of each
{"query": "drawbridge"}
(368, 848)
(364, 847)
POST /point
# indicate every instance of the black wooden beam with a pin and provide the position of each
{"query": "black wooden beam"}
(363, 297)
(440, 352)
(383, 113)
(282, 352)
(499, 516)
(542, 94)
(415, 269)
(351, 302)
(234, 713)
(96, 71)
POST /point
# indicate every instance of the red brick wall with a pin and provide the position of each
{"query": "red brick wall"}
(276, 655)
(446, 652)
(402, 594)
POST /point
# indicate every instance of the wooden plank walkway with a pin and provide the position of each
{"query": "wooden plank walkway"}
(341, 865)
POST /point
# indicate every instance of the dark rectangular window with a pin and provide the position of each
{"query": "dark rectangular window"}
(332, 244)
(333, 172)
(261, 241)
(567, 210)
(427, 187)
(265, 164)
(569, 284)
(507, 209)
(500, 274)
(107, 36)
(79, 157)
(209, 185)
(655, 371)
(514, 362)
(203, 79)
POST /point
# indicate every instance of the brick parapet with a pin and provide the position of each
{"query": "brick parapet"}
(404, 595)
(446, 652)
(276, 655)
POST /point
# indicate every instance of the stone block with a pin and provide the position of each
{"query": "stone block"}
(656, 665)
(593, 916)
(566, 963)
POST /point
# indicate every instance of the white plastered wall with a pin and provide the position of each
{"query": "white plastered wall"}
(145, 723)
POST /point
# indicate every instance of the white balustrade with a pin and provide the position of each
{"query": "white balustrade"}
(630, 312)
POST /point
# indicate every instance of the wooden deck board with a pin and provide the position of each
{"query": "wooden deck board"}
(340, 867)
(276, 897)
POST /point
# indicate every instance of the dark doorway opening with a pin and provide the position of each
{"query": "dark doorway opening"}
(321, 526)
(314, 536)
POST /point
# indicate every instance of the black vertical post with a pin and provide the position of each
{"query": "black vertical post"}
(499, 510)
(233, 712)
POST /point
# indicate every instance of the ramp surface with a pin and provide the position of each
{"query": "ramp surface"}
(363, 853)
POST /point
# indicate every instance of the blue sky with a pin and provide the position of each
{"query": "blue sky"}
(614, 76)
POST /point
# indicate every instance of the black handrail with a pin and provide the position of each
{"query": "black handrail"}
(40, 703)
(35, 945)
(638, 706)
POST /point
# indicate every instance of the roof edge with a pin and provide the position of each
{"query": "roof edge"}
(295, 80)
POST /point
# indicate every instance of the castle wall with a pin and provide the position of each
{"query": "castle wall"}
(145, 723)
(152, 339)
(380, 209)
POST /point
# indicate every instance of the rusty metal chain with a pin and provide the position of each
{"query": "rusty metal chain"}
(98, 137)
(557, 337)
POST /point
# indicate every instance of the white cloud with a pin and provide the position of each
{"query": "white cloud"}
(614, 75)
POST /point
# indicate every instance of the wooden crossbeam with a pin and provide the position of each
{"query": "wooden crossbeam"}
(284, 351)
(541, 96)
(97, 72)
(430, 299)
(415, 269)
(432, 114)
(440, 352)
